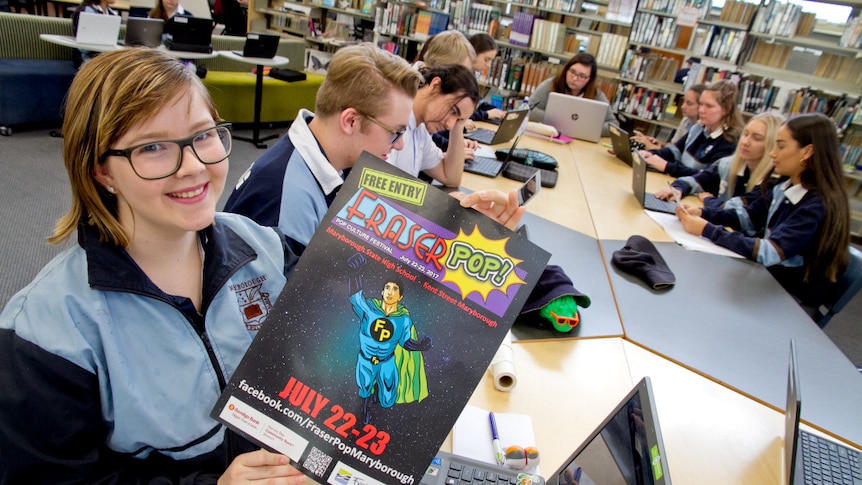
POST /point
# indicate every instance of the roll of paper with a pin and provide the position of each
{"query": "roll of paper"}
(502, 366)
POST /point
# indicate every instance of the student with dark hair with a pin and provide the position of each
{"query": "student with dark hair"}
(576, 78)
(797, 226)
(713, 137)
(103, 7)
(486, 51)
(444, 102)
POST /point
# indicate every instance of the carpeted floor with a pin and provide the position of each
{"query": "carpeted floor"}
(35, 193)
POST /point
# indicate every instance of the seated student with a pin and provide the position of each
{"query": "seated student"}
(80, 56)
(577, 78)
(132, 332)
(801, 223)
(737, 174)
(364, 104)
(446, 99)
(167, 10)
(447, 47)
(688, 108)
(712, 138)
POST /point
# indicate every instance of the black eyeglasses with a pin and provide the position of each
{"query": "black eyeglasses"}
(159, 159)
(396, 134)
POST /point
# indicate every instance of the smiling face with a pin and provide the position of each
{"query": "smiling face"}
(391, 293)
(182, 202)
(711, 113)
(788, 157)
(444, 110)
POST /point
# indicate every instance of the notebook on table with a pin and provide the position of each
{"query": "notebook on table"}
(259, 45)
(645, 199)
(144, 31)
(576, 117)
(625, 448)
(809, 458)
(190, 34)
(509, 127)
(98, 29)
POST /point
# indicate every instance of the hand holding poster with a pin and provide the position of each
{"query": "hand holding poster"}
(383, 332)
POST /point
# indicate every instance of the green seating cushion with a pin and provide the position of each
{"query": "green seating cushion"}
(233, 95)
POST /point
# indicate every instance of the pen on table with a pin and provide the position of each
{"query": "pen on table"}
(495, 439)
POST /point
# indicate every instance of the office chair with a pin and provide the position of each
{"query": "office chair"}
(851, 283)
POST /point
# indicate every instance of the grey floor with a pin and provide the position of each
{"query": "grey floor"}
(35, 193)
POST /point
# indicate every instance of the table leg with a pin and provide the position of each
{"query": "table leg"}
(258, 94)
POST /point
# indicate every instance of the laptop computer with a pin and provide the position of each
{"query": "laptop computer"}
(189, 34)
(259, 45)
(576, 117)
(808, 457)
(508, 128)
(625, 448)
(98, 29)
(144, 31)
(489, 166)
(621, 143)
(647, 200)
(139, 11)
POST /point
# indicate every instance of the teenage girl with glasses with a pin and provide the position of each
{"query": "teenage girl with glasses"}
(576, 78)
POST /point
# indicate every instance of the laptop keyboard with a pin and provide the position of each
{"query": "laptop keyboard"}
(482, 136)
(653, 203)
(487, 166)
(826, 462)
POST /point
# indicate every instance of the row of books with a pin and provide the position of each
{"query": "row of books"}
(701, 74)
(777, 18)
(521, 29)
(851, 156)
(547, 36)
(756, 95)
(655, 30)
(649, 67)
(400, 19)
(674, 6)
(612, 50)
(476, 17)
(839, 68)
(718, 42)
(841, 109)
(641, 101)
(518, 75)
(430, 22)
(621, 10)
(738, 11)
(852, 35)
(559, 5)
(769, 54)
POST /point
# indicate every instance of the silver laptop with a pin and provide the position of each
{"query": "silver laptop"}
(98, 29)
(809, 458)
(144, 31)
(647, 200)
(626, 447)
(576, 117)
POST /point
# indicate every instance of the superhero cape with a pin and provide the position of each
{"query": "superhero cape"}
(412, 384)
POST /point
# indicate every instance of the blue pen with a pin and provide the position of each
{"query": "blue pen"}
(495, 440)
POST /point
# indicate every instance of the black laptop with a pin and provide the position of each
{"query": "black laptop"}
(621, 143)
(509, 127)
(647, 200)
(809, 458)
(189, 34)
(263, 46)
(144, 31)
(489, 166)
(625, 448)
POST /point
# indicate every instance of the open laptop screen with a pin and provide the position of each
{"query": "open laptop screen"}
(626, 448)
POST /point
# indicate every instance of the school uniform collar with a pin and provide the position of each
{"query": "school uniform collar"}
(713, 135)
(793, 193)
(304, 141)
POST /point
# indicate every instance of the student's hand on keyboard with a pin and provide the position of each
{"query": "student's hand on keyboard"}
(500, 206)
(471, 144)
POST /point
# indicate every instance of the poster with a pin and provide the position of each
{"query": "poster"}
(382, 333)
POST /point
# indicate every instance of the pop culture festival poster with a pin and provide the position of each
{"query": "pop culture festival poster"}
(382, 333)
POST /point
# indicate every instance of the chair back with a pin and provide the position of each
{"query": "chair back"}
(851, 283)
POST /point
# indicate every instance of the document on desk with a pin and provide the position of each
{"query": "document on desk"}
(674, 229)
(471, 435)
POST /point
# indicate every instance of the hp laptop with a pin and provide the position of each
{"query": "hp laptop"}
(808, 458)
(144, 31)
(625, 448)
(507, 130)
(189, 34)
(259, 45)
(576, 117)
(622, 144)
(98, 29)
(647, 200)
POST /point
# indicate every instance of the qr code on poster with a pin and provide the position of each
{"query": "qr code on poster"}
(316, 462)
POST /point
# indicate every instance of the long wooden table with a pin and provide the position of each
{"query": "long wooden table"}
(719, 388)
